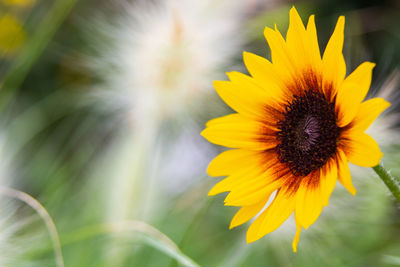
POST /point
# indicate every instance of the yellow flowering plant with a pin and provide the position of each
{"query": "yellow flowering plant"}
(299, 122)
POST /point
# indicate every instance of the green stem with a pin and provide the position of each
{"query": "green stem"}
(393, 183)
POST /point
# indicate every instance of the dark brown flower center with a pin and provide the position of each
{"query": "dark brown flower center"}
(308, 133)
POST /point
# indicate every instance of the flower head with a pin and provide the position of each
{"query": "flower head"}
(299, 121)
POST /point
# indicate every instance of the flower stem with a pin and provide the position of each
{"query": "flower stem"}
(393, 183)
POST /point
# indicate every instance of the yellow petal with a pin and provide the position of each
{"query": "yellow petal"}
(296, 238)
(230, 161)
(279, 210)
(315, 54)
(229, 183)
(264, 102)
(252, 192)
(314, 193)
(251, 86)
(333, 64)
(236, 131)
(243, 181)
(302, 44)
(279, 54)
(309, 201)
(297, 41)
(344, 172)
(360, 149)
(247, 212)
(264, 73)
(368, 112)
(328, 176)
(352, 92)
(244, 95)
(251, 176)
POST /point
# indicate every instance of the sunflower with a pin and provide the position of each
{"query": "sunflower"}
(299, 121)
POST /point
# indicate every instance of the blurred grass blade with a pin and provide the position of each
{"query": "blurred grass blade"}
(32, 50)
(152, 237)
(391, 260)
(29, 123)
(51, 227)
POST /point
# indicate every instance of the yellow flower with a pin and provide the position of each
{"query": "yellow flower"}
(21, 3)
(298, 123)
(12, 34)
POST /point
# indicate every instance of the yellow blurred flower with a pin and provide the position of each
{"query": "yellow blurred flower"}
(21, 3)
(12, 35)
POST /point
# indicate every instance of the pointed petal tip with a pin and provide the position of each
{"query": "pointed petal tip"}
(311, 22)
(212, 171)
(386, 103)
(231, 203)
(368, 65)
(220, 85)
(294, 15)
(293, 11)
(296, 238)
(229, 74)
(232, 225)
(250, 238)
(339, 28)
(383, 103)
(246, 57)
(211, 192)
(202, 132)
(253, 234)
(341, 21)
(268, 30)
(353, 191)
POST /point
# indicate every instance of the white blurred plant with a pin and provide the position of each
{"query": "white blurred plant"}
(155, 62)
(159, 59)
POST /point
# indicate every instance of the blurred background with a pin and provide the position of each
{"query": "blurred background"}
(101, 106)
